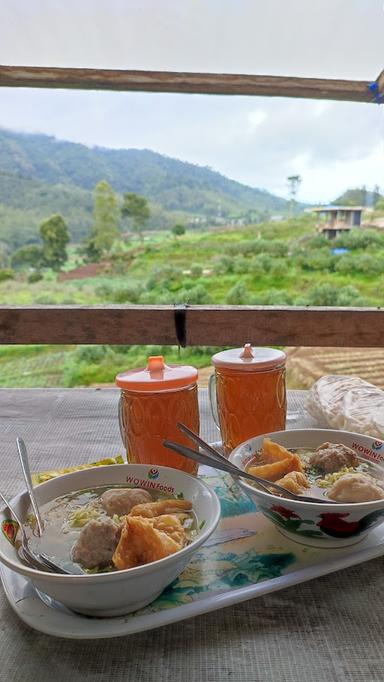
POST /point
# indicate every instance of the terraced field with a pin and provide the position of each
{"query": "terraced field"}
(305, 365)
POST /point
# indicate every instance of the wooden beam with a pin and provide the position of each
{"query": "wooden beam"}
(185, 82)
(380, 83)
(203, 325)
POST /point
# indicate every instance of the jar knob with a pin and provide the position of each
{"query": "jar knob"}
(247, 352)
(155, 364)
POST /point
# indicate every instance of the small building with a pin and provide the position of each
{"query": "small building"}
(334, 220)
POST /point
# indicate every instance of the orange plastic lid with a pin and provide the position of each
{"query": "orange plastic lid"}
(250, 358)
(157, 376)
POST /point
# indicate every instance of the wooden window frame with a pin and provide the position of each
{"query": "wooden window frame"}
(193, 325)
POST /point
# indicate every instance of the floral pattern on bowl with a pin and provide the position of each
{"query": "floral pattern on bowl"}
(323, 525)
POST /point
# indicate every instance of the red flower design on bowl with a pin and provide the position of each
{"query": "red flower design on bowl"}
(334, 524)
(287, 513)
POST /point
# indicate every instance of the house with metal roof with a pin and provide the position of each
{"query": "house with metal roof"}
(333, 220)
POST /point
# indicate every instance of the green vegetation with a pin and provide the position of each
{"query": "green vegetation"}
(105, 228)
(359, 196)
(136, 208)
(40, 176)
(261, 263)
(178, 230)
(55, 236)
(286, 263)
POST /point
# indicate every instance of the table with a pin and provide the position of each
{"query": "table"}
(327, 629)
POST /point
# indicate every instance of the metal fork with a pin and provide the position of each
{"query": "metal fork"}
(211, 457)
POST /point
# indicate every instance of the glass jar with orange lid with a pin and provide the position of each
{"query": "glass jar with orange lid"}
(250, 393)
(153, 400)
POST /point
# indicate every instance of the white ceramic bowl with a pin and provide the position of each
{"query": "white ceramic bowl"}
(120, 592)
(322, 525)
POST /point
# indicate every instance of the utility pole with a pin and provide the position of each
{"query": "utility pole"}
(294, 182)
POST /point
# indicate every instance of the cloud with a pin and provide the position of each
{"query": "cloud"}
(258, 141)
(256, 118)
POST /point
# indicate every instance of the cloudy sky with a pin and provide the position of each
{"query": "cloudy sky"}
(258, 141)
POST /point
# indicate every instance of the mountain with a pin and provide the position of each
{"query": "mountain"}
(359, 196)
(40, 175)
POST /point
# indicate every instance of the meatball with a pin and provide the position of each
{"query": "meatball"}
(121, 500)
(96, 543)
(356, 488)
(330, 457)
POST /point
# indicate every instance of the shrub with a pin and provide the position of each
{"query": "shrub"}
(69, 301)
(30, 255)
(320, 260)
(6, 273)
(90, 354)
(261, 264)
(196, 270)
(166, 276)
(279, 268)
(327, 294)
(178, 230)
(45, 299)
(345, 265)
(369, 264)
(238, 295)
(365, 263)
(323, 295)
(276, 247)
(359, 239)
(160, 296)
(197, 295)
(223, 264)
(241, 265)
(350, 296)
(34, 277)
(318, 242)
(103, 290)
(272, 297)
(248, 247)
(128, 294)
(125, 295)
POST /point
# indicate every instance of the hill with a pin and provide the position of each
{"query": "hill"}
(40, 175)
(359, 196)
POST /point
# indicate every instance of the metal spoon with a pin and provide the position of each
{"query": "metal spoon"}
(261, 481)
(23, 456)
(219, 462)
(26, 554)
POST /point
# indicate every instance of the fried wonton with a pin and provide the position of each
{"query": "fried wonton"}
(273, 452)
(278, 462)
(144, 540)
(295, 481)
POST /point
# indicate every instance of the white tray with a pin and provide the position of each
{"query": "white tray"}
(246, 557)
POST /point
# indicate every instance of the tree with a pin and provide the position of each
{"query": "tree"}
(55, 235)
(89, 251)
(376, 195)
(178, 230)
(294, 182)
(136, 207)
(30, 256)
(105, 220)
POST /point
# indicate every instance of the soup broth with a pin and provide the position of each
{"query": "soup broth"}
(332, 471)
(67, 517)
